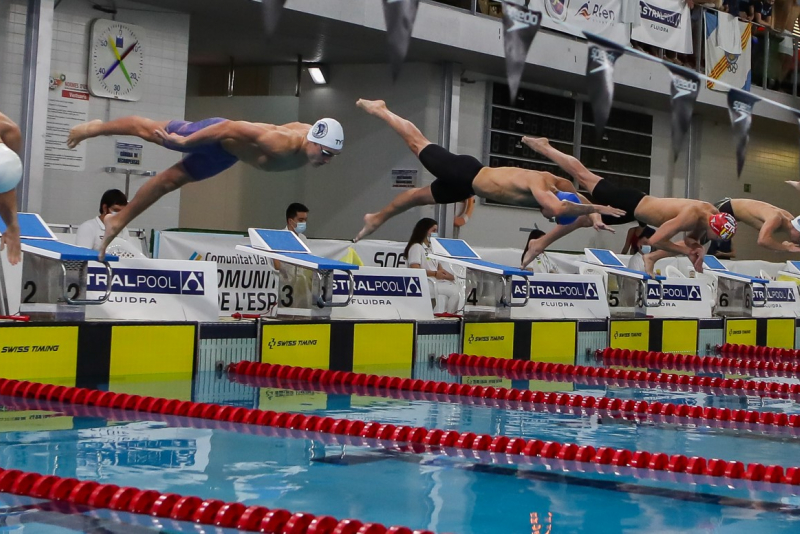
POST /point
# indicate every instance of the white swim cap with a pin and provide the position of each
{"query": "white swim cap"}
(10, 169)
(328, 133)
(796, 223)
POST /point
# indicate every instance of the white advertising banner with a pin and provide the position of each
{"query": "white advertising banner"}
(561, 296)
(665, 24)
(67, 106)
(683, 297)
(782, 300)
(155, 290)
(246, 282)
(602, 17)
(384, 293)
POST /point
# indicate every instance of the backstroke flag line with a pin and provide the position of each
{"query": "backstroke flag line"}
(684, 89)
(740, 109)
(520, 25)
(399, 16)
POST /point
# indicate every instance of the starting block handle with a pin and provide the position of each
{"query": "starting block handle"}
(645, 292)
(322, 303)
(509, 303)
(87, 302)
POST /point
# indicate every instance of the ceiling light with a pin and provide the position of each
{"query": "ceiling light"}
(317, 75)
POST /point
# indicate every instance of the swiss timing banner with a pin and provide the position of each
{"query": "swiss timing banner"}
(665, 24)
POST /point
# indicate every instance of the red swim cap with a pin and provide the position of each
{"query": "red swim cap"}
(723, 224)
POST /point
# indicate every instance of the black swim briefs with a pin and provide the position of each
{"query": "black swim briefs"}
(725, 206)
(624, 198)
(454, 174)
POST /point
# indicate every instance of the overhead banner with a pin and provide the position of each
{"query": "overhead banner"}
(271, 12)
(520, 25)
(600, 74)
(684, 90)
(740, 110)
(154, 290)
(665, 24)
(733, 69)
(561, 296)
(399, 16)
(381, 293)
(601, 17)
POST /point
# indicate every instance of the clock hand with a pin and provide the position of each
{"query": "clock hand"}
(122, 58)
(121, 64)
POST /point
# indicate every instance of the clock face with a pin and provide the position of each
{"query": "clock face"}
(116, 60)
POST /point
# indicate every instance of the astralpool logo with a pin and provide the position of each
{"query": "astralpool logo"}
(148, 281)
(776, 294)
(282, 343)
(557, 290)
(661, 16)
(675, 292)
(379, 286)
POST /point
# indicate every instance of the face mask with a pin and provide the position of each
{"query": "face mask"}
(646, 249)
(300, 228)
(433, 234)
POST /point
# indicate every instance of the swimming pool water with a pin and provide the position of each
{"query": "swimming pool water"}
(441, 490)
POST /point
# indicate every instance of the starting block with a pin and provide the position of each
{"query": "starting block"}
(737, 294)
(488, 285)
(632, 297)
(54, 274)
(309, 278)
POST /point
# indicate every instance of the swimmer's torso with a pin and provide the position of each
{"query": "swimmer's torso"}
(656, 211)
(510, 185)
(287, 156)
(755, 213)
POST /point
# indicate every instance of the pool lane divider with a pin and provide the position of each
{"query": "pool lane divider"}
(719, 469)
(667, 360)
(523, 369)
(757, 352)
(537, 401)
(569, 451)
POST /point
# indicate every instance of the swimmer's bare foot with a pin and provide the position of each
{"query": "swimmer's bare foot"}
(371, 223)
(373, 107)
(794, 184)
(649, 264)
(82, 132)
(536, 143)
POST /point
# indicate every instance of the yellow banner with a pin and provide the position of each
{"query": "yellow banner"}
(780, 333)
(741, 331)
(384, 347)
(39, 353)
(553, 342)
(306, 345)
(679, 337)
(631, 335)
(489, 339)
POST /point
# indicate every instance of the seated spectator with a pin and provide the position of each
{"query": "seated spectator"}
(444, 287)
(296, 219)
(91, 232)
(635, 234)
(541, 263)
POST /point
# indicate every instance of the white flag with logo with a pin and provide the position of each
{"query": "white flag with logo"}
(733, 69)
(666, 24)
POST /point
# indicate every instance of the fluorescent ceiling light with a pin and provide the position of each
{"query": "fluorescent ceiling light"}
(317, 76)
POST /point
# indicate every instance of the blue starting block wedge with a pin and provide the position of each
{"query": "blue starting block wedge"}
(458, 252)
(609, 262)
(45, 252)
(286, 247)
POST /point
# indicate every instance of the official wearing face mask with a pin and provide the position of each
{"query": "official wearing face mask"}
(296, 219)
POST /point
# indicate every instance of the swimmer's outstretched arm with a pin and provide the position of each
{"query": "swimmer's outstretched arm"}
(766, 236)
(270, 140)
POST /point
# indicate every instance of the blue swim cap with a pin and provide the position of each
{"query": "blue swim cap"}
(569, 197)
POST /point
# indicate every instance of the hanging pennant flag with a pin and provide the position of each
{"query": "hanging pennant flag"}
(520, 25)
(399, 16)
(685, 88)
(740, 109)
(271, 10)
(603, 53)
